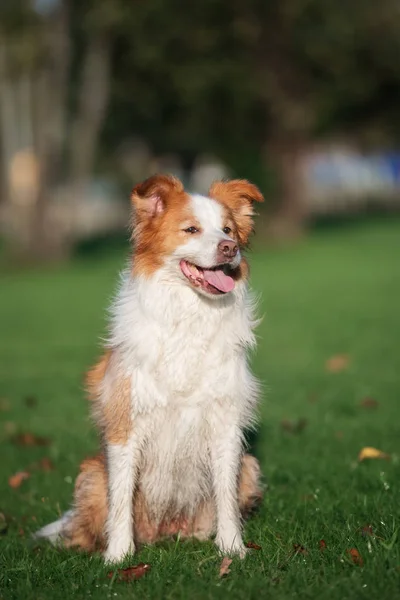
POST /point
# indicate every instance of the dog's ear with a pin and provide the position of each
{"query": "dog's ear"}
(150, 197)
(239, 196)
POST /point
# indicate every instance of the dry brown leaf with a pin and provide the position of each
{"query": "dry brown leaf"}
(368, 452)
(355, 557)
(299, 549)
(46, 465)
(10, 427)
(367, 531)
(312, 398)
(294, 426)
(4, 405)
(224, 566)
(337, 363)
(369, 403)
(253, 546)
(130, 573)
(28, 439)
(322, 545)
(15, 480)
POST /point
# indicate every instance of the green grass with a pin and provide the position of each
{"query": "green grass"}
(335, 293)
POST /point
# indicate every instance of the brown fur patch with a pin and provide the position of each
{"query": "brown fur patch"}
(157, 232)
(250, 493)
(86, 530)
(113, 416)
(116, 416)
(95, 376)
(238, 195)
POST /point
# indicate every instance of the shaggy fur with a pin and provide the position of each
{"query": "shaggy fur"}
(173, 392)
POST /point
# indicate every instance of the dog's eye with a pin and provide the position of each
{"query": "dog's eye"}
(191, 230)
(227, 230)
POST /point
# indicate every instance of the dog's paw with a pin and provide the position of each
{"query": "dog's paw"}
(231, 547)
(117, 552)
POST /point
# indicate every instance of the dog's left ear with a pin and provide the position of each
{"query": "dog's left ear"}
(150, 197)
(239, 196)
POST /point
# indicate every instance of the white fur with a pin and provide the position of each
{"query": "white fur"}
(54, 531)
(202, 249)
(192, 391)
(122, 464)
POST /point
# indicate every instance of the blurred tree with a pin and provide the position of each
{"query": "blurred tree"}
(54, 96)
(254, 77)
(253, 81)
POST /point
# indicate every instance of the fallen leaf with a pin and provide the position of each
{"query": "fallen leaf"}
(299, 549)
(224, 567)
(21, 532)
(369, 452)
(15, 480)
(369, 403)
(10, 427)
(130, 573)
(322, 545)
(46, 465)
(31, 401)
(337, 363)
(294, 426)
(4, 405)
(355, 557)
(367, 531)
(28, 439)
(312, 398)
(253, 546)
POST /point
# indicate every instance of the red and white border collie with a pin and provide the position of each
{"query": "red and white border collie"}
(173, 392)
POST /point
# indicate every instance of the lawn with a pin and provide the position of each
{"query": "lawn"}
(336, 293)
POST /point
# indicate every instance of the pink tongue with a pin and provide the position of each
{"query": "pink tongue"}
(219, 280)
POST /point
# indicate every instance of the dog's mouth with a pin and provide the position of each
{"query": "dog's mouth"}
(216, 280)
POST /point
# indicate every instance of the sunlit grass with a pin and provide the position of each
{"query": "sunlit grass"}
(337, 293)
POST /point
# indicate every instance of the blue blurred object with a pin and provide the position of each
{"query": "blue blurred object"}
(45, 7)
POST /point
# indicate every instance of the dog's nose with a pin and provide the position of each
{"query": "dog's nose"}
(227, 249)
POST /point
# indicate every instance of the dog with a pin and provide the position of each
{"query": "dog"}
(173, 394)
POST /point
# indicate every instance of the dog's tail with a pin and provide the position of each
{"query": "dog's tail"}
(54, 532)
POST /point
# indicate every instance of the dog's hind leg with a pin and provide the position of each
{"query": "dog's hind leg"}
(250, 488)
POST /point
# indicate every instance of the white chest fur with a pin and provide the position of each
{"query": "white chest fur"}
(187, 360)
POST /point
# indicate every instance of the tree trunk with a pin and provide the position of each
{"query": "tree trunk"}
(92, 105)
(289, 216)
(35, 141)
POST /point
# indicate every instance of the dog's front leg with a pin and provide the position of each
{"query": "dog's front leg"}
(123, 448)
(226, 451)
(122, 465)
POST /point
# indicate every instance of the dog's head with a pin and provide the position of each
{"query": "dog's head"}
(197, 240)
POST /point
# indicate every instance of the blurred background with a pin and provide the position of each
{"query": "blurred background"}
(300, 96)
